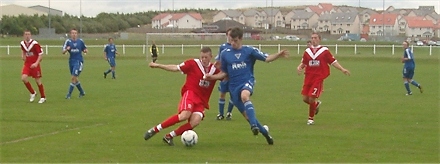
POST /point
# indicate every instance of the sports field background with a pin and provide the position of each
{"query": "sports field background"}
(365, 117)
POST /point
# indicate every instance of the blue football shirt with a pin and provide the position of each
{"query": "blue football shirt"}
(409, 54)
(76, 48)
(110, 50)
(221, 48)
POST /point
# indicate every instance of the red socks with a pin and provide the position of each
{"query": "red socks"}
(41, 89)
(29, 87)
(312, 109)
(183, 128)
(167, 123)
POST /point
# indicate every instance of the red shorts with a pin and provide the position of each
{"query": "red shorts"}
(32, 72)
(191, 102)
(313, 86)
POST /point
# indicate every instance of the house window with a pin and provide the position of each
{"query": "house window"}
(334, 24)
(320, 21)
(187, 20)
(420, 28)
(278, 17)
(294, 20)
(348, 31)
(278, 23)
(373, 27)
(348, 25)
(326, 21)
(305, 19)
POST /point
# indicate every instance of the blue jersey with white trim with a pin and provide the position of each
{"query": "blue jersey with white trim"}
(239, 64)
(221, 48)
(410, 62)
(110, 50)
(76, 48)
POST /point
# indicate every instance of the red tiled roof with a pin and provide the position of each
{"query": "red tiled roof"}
(160, 16)
(316, 9)
(177, 16)
(383, 19)
(420, 24)
(413, 18)
(326, 6)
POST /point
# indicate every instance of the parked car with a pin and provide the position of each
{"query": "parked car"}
(438, 43)
(419, 43)
(291, 37)
(431, 43)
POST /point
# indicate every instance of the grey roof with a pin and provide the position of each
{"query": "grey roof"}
(271, 11)
(369, 11)
(222, 25)
(429, 8)
(251, 12)
(325, 17)
(419, 12)
(348, 9)
(343, 17)
(301, 14)
(435, 16)
(33, 7)
(231, 13)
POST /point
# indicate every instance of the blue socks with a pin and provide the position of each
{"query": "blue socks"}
(71, 86)
(80, 89)
(407, 87)
(415, 83)
(113, 74)
(221, 106)
(250, 112)
(230, 106)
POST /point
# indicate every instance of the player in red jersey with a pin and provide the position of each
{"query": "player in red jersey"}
(315, 62)
(195, 94)
(32, 54)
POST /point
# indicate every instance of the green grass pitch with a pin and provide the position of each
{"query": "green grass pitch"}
(364, 118)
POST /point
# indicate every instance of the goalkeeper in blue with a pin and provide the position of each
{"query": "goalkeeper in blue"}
(408, 69)
(110, 53)
(237, 63)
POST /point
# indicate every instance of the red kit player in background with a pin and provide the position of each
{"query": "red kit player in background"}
(316, 61)
(195, 94)
(32, 54)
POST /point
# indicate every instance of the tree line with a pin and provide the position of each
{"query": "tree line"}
(101, 23)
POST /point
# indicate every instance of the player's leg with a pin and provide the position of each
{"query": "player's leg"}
(245, 96)
(229, 112)
(406, 78)
(313, 95)
(193, 121)
(265, 133)
(410, 76)
(154, 57)
(108, 70)
(36, 74)
(24, 78)
(185, 109)
(113, 68)
(221, 102)
(77, 69)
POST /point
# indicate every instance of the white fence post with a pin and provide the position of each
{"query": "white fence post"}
(374, 49)
(430, 50)
(163, 49)
(298, 48)
(182, 49)
(201, 46)
(8, 49)
(47, 50)
(143, 49)
(259, 46)
(123, 49)
(393, 50)
(355, 49)
(336, 51)
(279, 47)
(412, 48)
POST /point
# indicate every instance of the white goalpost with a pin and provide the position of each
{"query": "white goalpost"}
(179, 37)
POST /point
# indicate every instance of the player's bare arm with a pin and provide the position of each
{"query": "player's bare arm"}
(171, 68)
(282, 53)
(300, 68)
(23, 55)
(218, 76)
(67, 49)
(342, 69)
(85, 51)
(40, 57)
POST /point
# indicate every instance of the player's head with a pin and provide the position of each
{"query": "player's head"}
(154, 43)
(205, 55)
(405, 44)
(27, 35)
(73, 33)
(110, 40)
(309, 43)
(236, 36)
(316, 39)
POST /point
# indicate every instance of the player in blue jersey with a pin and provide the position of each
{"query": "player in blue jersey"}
(237, 63)
(75, 47)
(223, 86)
(408, 69)
(110, 53)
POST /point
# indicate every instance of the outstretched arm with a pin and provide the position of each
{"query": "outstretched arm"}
(282, 53)
(339, 66)
(171, 68)
(218, 76)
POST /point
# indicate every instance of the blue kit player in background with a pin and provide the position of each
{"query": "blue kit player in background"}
(237, 63)
(408, 69)
(110, 53)
(75, 47)
(223, 87)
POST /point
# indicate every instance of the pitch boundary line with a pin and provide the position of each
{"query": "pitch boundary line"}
(48, 134)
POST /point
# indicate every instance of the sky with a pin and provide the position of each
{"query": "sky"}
(91, 8)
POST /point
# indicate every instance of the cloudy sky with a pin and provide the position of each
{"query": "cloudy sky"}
(94, 7)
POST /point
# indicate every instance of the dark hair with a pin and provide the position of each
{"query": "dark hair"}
(229, 29)
(407, 43)
(236, 32)
(110, 38)
(74, 29)
(206, 50)
(26, 31)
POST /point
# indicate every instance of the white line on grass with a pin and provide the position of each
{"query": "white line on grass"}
(48, 134)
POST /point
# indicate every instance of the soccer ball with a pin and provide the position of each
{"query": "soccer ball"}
(189, 138)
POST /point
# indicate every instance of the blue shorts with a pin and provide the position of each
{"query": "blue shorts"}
(235, 94)
(75, 67)
(111, 61)
(224, 86)
(408, 73)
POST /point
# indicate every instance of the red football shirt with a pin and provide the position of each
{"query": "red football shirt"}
(317, 61)
(32, 50)
(195, 71)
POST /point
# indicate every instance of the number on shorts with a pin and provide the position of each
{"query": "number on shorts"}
(314, 91)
